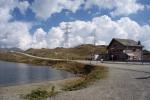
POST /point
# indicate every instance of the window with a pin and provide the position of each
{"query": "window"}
(134, 50)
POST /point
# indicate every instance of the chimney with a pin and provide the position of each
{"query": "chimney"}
(139, 42)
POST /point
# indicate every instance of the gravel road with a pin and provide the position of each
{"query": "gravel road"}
(124, 82)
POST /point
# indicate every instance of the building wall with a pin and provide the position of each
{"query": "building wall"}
(117, 51)
(136, 51)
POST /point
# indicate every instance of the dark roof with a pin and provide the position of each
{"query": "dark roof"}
(128, 42)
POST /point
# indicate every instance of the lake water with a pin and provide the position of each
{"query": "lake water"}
(17, 73)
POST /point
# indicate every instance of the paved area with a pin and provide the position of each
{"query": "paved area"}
(133, 66)
(124, 82)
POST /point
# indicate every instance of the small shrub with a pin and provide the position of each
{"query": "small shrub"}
(52, 92)
(38, 94)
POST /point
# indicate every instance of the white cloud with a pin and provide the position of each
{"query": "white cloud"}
(39, 39)
(4, 15)
(23, 6)
(15, 34)
(5, 7)
(55, 37)
(118, 7)
(45, 8)
(126, 7)
(104, 28)
(12, 34)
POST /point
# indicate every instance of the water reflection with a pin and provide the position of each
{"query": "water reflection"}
(14, 73)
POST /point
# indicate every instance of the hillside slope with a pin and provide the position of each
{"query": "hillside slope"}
(79, 52)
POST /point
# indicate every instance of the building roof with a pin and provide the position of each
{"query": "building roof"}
(127, 42)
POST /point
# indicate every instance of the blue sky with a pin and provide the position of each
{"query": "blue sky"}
(40, 22)
(142, 17)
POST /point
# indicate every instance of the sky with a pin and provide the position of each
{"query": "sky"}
(39, 23)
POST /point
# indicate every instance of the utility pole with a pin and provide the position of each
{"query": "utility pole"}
(127, 51)
(142, 55)
(139, 43)
(67, 30)
(94, 43)
(94, 36)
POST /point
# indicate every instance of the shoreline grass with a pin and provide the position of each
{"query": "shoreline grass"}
(40, 94)
(98, 72)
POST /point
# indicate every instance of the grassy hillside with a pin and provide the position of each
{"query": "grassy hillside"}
(79, 52)
(146, 52)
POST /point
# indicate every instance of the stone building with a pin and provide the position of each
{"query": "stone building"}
(124, 49)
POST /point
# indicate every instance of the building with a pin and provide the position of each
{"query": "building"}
(124, 50)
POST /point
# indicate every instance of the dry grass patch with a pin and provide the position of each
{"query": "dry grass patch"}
(40, 94)
(98, 72)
